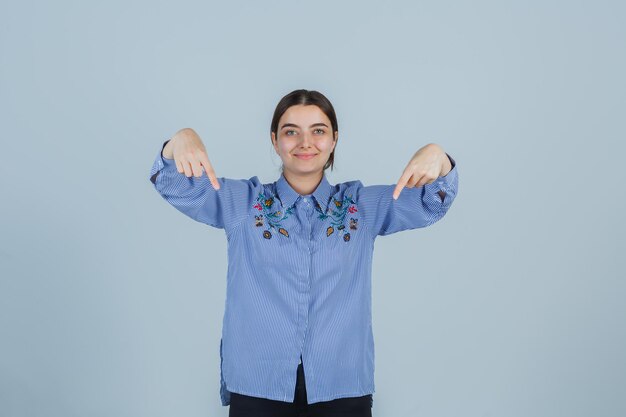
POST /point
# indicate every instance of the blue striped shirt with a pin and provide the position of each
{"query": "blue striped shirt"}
(299, 274)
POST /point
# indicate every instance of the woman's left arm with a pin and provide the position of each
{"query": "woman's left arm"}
(422, 195)
(429, 163)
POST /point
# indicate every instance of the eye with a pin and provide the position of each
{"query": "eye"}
(288, 131)
(320, 130)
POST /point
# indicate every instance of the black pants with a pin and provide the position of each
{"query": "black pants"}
(247, 406)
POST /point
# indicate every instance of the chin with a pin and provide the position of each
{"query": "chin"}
(306, 171)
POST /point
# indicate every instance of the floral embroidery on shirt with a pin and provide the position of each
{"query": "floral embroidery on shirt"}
(338, 216)
(274, 218)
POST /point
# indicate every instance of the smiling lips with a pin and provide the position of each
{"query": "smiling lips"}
(304, 155)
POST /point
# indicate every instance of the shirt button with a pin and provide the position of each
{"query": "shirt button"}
(305, 199)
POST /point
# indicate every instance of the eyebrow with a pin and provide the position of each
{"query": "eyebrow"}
(293, 125)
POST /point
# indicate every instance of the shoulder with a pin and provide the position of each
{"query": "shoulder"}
(260, 190)
(352, 184)
(252, 182)
(240, 189)
(351, 187)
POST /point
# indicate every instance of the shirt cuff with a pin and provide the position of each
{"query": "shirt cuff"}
(160, 162)
(445, 184)
(165, 160)
(452, 162)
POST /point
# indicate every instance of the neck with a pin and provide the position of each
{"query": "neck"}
(303, 184)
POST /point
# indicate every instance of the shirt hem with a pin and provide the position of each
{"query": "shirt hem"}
(309, 400)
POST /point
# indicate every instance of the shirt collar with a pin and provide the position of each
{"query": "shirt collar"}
(289, 196)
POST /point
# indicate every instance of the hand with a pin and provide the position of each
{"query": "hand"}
(428, 164)
(190, 155)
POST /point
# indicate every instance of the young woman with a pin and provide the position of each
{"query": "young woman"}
(298, 298)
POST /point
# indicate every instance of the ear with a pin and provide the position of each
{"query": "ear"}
(273, 137)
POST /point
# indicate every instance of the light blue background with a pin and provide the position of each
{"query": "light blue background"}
(111, 301)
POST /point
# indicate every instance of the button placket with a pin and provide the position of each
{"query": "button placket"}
(307, 207)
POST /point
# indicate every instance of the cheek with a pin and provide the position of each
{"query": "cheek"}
(326, 146)
(284, 147)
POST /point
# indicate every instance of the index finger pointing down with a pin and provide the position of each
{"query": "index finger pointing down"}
(204, 160)
(404, 178)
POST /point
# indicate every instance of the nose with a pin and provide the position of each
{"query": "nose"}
(306, 140)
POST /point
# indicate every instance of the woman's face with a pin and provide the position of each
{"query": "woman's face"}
(305, 139)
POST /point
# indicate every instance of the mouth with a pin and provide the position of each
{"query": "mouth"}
(305, 155)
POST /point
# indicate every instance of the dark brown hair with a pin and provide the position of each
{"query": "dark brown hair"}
(307, 97)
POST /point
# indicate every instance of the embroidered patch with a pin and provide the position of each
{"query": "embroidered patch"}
(337, 216)
(273, 218)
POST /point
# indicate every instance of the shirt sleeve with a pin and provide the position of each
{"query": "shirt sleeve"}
(195, 197)
(415, 207)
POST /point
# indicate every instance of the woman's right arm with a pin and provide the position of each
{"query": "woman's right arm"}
(178, 175)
